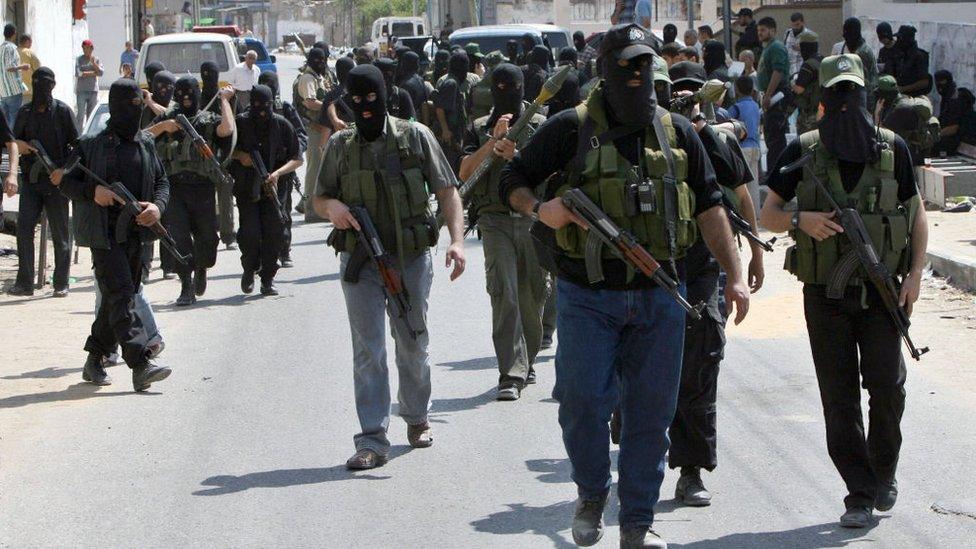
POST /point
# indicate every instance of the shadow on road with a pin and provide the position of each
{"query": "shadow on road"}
(808, 537)
(78, 391)
(283, 478)
(45, 373)
(546, 520)
(312, 279)
(308, 242)
(448, 405)
(471, 364)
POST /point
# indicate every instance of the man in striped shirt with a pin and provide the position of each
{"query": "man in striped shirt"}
(11, 85)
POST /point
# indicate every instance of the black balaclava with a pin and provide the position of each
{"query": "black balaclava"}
(343, 66)
(512, 50)
(944, 84)
(370, 115)
(670, 33)
(409, 64)
(906, 38)
(388, 68)
(270, 79)
(262, 106)
(579, 40)
(441, 60)
(318, 61)
(539, 56)
(848, 135)
(187, 89)
(162, 87)
(509, 99)
(210, 76)
(630, 106)
(568, 95)
(884, 31)
(322, 45)
(809, 50)
(568, 56)
(852, 34)
(457, 66)
(124, 108)
(151, 69)
(528, 42)
(662, 92)
(713, 55)
(42, 82)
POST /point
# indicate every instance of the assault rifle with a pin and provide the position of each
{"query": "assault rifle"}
(270, 190)
(131, 205)
(626, 246)
(864, 255)
(45, 159)
(372, 247)
(742, 227)
(204, 149)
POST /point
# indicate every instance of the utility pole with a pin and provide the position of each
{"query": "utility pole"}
(473, 12)
(691, 14)
(415, 8)
(727, 24)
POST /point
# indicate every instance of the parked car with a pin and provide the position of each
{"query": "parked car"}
(266, 61)
(495, 37)
(397, 27)
(183, 53)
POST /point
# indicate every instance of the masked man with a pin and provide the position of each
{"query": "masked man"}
(50, 122)
(210, 77)
(535, 71)
(451, 105)
(516, 283)
(270, 137)
(852, 339)
(122, 154)
(210, 83)
(192, 213)
(309, 90)
(387, 166)
(617, 328)
(161, 88)
(807, 84)
(398, 102)
(854, 43)
(409, 79)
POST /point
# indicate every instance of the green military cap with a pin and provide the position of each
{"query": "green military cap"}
(840, 68)
(494, 59)
(808, 36)
(473, 50)
(887, 84)
(660, 67)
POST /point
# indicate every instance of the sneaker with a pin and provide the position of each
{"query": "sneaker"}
(419, 436)
(530, 379)
(287, 263)
(508, 393)
(24, 291)
(588, 520)
(640, 537)
(365, 459)
(857, 516)
(247, 281)
(60, 292)
(887, 495)
(148, 374)
(691, 490)
(94, 371)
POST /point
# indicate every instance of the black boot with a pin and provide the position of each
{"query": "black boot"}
(200, 281)
(186, 292)
(94, 372)
(147, 374)
(268, 288)
(247, 281)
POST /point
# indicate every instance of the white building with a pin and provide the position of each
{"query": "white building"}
(56, 37)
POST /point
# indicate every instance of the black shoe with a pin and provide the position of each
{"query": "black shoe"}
(287, 263)
(268, 288)
(167, 275)
(148, 374)
(615, 427)
(857, 516)
(530, 379)
(640, 537)
(588, 520)
(186, 293)
(508, 392)
(546, 342)
(94, 371)
(60, 292)
(247, 281)
(691, 490)
(21, 291)
(887, 495)
(300, 207)
(200, 281)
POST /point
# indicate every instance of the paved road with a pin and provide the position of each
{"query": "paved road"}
(244, 445)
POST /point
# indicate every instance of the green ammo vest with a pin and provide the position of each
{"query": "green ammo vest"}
(396, 195)
(606, 177)
(179, 155)
(875, 197)
(485, 195)
(808, 102)
(320, 93)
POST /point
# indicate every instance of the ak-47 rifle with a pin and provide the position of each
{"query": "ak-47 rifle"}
(205, 151)
(372, 248)
(45, 159)
(626, 247)
(743, 228)
(269, 190)
(130, 203)
(864, 255)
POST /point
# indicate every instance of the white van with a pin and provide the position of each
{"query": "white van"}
(183, 53)
(398, 27)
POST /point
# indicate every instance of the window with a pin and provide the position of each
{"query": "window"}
(186, 57)
(403, 29)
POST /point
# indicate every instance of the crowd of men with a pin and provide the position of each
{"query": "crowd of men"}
(662, 138)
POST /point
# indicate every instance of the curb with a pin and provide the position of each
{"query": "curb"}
(960, 270)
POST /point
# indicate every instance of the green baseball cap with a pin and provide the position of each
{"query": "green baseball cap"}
(887, 84)
(846, 67)
(473, 50)
(660, 67)
(808, 36)
(493, 59)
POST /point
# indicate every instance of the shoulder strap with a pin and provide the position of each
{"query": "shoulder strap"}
(670, 183)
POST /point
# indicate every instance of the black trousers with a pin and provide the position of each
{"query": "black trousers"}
(225, 205)
(693, 430)
(191, 218)
(284, 195)
(775, 125)
(32, 202)
(853, 346)
(260, 236)
(118, 273)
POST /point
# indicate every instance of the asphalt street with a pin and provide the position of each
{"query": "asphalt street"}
(244, 445)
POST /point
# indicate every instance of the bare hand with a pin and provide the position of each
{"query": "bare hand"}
(10, 185)
(556, 215)
(447, 137)
(339, 125)
(757, 272)
(272, 181)
(765, 101)
(56, 176)
(819, 225)
(501, 127)
(340, 216)
(737, 294)
(104, 196)
(150, 214)
(171, 126)
(226, 93)
(911, 287)
(455, 254)
(505, 149)
(147, 97)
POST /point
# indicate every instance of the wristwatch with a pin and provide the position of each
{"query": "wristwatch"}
(535, 211)
(796, 220)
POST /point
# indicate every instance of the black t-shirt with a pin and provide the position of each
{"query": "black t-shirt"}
(400, 105)
(889, 60)
(535, 78)
(730, 171)
(277, 145)
(912, 67)
(415, 86)
(54, 128)
(850, 172)
(128, 167)
(552, 148)
(749, 38)
(807, 77)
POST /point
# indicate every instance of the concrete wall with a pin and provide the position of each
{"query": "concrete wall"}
(56, 41)
(525, 11)
(824, 18)
(110, 24)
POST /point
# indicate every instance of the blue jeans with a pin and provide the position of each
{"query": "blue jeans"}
(610, 342)
(9, 106)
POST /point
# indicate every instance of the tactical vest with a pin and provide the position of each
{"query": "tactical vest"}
(609, 180)
(927, 129)
(875, 197)
(808, 102)
(320, 91)
(396, 195)
(179, 155)
(485, 195)
(481, 100)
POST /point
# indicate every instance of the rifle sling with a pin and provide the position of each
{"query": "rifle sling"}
(670, 189)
